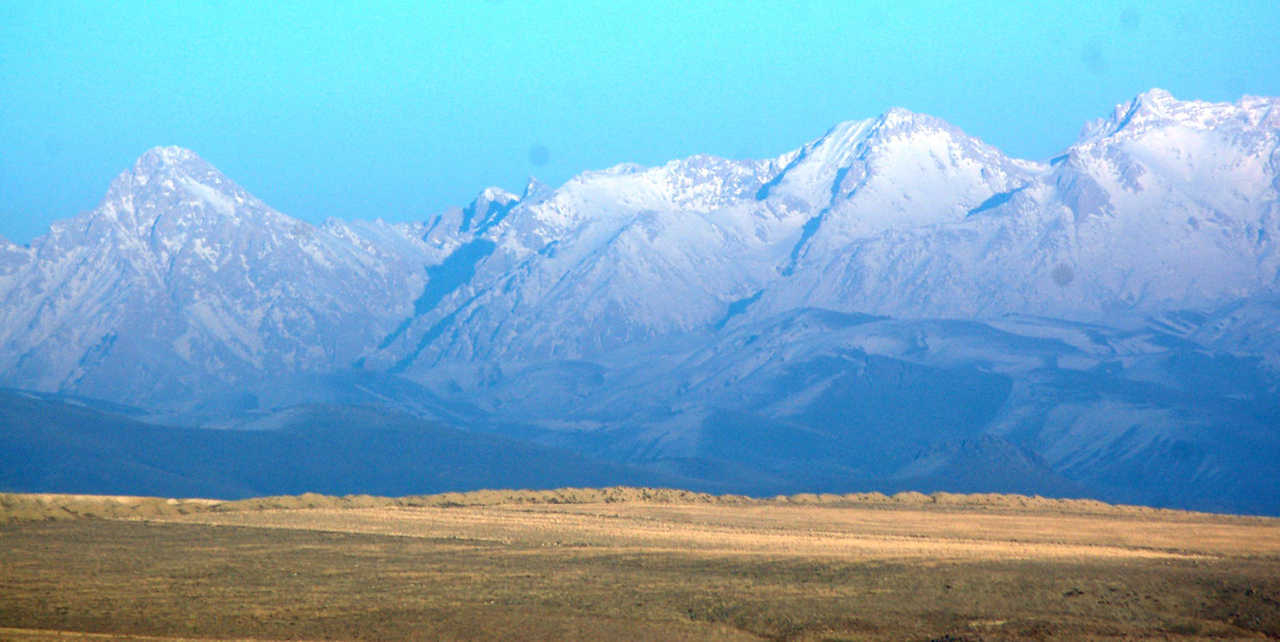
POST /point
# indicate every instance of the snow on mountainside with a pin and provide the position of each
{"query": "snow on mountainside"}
(597, 263)
(895, 302)
(899, 171)
(629, 254)
(180, 284)
(1165, 205)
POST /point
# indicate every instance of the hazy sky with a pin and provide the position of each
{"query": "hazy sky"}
(386, 110)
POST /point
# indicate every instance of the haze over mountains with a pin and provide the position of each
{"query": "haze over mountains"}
(893, 305)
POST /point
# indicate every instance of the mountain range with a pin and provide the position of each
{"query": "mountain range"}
(894, 305)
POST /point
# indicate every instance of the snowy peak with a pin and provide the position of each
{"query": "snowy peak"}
(534, 188)
(901, 123)
(894, 148)
(181, 283)
(1222, 155)
(162, 168)
(487, 209)
(846, 138)
(496, 195)
(162, 158)
(1156, 102)
(1157, 108)
(895, 127)
(1150, 107)
(1165, 204)
(174, 183)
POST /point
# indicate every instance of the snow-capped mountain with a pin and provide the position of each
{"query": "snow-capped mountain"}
(629, 254)
(180, 284)
(1166, 204)
(892, 303)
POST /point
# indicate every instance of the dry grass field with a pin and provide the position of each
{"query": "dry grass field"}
(631, 564)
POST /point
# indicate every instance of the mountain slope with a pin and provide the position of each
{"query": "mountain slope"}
(1165, 205)
(829, 401)
(181, 283)
(181, 274)
(598, 263)
(894, 302)
(50, 446)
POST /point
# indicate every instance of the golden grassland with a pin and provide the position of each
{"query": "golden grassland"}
(633, 564)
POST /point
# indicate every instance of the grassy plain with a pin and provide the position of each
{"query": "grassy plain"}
(631, 564)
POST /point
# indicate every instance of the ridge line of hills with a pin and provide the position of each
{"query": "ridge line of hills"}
(894, 304)
(52, 506)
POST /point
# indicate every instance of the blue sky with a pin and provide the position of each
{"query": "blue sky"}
(397, 111)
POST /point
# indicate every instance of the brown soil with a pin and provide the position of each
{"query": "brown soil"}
(631, 564)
